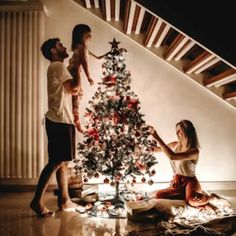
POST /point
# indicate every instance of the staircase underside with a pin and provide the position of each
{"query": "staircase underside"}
(168, 43)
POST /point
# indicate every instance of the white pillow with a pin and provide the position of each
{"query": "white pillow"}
(164, 206)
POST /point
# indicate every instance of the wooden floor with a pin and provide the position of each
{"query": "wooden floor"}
(17, 219)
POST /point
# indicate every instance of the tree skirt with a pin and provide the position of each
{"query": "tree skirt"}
(105, 207)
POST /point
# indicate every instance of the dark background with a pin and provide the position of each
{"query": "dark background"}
(210, 22)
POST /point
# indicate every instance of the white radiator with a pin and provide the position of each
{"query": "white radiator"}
(21, 130)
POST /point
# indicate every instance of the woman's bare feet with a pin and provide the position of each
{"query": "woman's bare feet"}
(40, 209)
(208, 207)
(219, 201)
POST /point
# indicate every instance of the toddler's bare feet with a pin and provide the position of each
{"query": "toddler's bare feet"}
(78, 126)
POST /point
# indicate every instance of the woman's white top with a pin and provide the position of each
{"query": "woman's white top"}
(184, 167)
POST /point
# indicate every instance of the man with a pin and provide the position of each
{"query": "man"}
(59, 127)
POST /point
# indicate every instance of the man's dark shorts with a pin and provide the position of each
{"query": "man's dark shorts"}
(61, 141)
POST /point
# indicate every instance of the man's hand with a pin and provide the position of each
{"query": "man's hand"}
(90, 81)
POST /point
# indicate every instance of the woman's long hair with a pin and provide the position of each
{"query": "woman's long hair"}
(190, 133)
(77, 34)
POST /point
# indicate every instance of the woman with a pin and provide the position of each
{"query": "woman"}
(183, 156)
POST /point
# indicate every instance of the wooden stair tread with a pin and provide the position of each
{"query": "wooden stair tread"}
(219, 76)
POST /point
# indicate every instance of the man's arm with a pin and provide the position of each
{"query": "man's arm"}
(71, 86)
(70, 82)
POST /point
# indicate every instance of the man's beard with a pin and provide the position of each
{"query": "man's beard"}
(62, 55)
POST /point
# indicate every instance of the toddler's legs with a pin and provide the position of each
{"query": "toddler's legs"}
(76, 103)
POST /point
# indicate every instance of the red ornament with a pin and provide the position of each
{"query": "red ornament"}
(112, 183)
(117, 178)
(85, 180)
(110, 80)
(153, 172)
(106, 181)
(96, 175)
(150, 182)
(90, 175)
(140, 165)
(116, 117)
(132, 103)
(93, 133)
(143, 180)
(133, 181)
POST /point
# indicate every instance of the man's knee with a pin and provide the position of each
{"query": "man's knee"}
(65, 163)
(56, 165)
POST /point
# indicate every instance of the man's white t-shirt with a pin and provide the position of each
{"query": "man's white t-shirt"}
(59, 100)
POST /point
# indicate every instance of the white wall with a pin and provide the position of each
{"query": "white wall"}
(166, 95)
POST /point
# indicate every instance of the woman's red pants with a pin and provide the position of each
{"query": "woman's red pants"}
(185, 188)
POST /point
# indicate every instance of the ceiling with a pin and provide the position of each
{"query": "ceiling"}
(210, 24)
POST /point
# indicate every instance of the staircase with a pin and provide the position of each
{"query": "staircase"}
(170, 44)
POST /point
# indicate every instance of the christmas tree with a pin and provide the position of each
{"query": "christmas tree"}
(116, 141)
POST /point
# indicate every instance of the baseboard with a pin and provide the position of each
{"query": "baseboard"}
(211, 185)
(26, 185)
(22, 188)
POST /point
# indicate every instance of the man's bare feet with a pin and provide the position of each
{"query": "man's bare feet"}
(69, 206)
(40, 210)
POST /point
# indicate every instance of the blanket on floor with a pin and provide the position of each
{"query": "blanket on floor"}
(222, 227)
(186, 220)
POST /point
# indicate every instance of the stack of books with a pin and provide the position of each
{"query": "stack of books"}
(85, 192)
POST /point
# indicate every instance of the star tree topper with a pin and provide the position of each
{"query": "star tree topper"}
(114, 44)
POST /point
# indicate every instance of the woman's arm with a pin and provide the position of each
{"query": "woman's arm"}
(170, 145)
(188, 155)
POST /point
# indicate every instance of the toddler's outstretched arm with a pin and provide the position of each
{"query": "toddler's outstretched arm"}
(97, 57)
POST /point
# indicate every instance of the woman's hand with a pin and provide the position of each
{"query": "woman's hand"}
(151, 130)
(91, 81)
